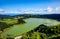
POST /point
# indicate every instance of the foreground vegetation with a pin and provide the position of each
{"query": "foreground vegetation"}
(43, 32)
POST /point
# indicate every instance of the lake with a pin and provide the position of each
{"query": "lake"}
(30, 24)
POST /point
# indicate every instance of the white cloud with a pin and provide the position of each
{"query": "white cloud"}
(58, 9)
(34, 11)
(49, 9)
(1, 10)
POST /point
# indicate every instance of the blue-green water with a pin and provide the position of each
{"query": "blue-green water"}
(30, 24)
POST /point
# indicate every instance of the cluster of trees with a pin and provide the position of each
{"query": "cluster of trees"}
(34, 35)
(43, 32)
(4, 25)
(21, 21)
(48, 29)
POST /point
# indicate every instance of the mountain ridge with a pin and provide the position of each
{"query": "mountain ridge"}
(50, 16)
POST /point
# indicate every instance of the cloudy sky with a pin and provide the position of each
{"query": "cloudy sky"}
(30, 6)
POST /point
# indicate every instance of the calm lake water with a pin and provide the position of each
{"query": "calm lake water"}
(30, 24)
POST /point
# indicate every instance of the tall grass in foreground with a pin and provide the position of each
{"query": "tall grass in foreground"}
(41, 32)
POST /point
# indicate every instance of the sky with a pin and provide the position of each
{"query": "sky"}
(30, 6)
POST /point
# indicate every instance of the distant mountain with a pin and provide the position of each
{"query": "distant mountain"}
(49, 16)
(3, 16)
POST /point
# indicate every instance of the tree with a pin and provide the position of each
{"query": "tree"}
(3, 25)
(20, 21)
